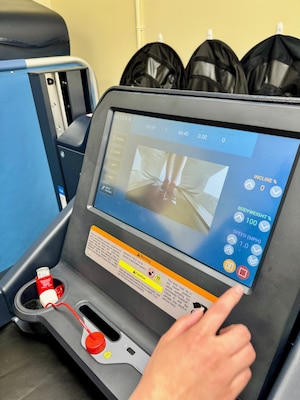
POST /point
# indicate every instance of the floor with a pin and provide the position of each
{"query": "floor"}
(35, 367)
(175, 206)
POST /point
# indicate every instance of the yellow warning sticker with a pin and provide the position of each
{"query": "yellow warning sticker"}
(141, 276)
(166, 289)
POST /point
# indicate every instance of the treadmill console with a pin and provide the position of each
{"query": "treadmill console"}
(182, 194)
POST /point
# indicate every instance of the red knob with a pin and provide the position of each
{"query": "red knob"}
(95, 342)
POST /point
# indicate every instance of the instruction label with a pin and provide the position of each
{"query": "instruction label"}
(169, 291)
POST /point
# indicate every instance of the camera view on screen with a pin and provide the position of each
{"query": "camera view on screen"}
(179, 187)
(210, 192)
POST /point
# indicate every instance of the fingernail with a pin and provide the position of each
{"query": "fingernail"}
(199, 310)
(239, 289)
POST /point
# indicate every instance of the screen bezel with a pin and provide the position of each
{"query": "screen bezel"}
(226, 121)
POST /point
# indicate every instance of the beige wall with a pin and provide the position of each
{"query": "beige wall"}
(104, 33)
(46, 3)
(241, 24)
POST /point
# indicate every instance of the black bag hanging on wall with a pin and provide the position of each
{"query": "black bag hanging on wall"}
(214, 67)
(272, 67)
(30, 30)
(155, 65)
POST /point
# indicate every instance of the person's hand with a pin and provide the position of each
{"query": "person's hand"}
(194, 361)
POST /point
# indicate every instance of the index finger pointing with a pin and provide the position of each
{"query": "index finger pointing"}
(219, 311)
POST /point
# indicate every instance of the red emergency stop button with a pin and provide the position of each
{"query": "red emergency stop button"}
(95, 342)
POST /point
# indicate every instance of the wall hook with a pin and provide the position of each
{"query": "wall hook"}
(279, 28)
(160, 38)
(209, 34)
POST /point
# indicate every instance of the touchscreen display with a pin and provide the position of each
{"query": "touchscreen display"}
(209, 192)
